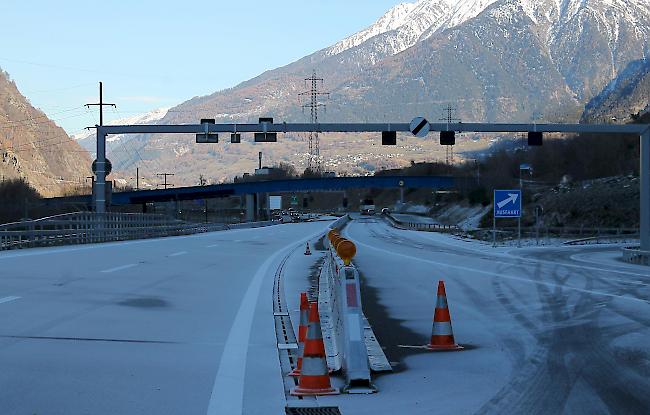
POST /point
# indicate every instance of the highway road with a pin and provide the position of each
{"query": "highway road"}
(180, 325)
(547, 330)
(185, 325)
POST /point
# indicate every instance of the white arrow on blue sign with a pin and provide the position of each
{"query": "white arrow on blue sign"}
(507, 203)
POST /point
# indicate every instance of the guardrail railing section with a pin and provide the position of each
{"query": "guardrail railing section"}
(89, 227)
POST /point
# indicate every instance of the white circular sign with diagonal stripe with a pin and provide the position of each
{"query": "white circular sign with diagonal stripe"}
(420, 127)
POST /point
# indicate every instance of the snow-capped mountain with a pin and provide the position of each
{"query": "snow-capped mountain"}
(407, 23)
(393, 19)
(495, 60)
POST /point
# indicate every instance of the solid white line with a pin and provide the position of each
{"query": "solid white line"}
(120, 268)
(212, 246)
(495, 274)
(178, 253)
(228, 391)
(7, 299)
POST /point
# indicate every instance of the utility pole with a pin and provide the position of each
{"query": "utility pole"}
(449, 151)
(521, 192)
(101, 104)
(260, 157)
(137, 178)
(99, 185)
(165, 179)
(314, 161)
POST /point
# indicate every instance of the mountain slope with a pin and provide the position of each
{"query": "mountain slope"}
(34, 148)
(624, 97)
(495, 60)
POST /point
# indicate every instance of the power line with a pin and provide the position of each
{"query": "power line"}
(32, 120)
(101, 105)
(449, 150)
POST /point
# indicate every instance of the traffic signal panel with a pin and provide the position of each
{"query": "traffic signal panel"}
(388, 138)
(447, 138)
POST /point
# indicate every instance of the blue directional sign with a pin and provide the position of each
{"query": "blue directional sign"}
(507, 203)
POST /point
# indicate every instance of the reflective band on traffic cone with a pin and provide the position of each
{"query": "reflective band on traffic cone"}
(442, 336)
(314, 378)
(307, 251)
(302, 332)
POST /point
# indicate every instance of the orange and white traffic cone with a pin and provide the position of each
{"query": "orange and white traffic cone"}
(302, 332)
(307, 251)
(442, 336)
(314, 378)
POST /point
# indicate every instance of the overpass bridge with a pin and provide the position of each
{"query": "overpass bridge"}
(283, 186)
(270, 186)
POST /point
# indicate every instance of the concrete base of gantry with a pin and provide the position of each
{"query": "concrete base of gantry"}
(634, 255)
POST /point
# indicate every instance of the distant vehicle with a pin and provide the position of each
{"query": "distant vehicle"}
(367, 207)
(286, 218)
(385, 211)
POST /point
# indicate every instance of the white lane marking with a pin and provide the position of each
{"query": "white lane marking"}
(212, 246)
(496, 274)
(120, 268)
(228, 391)
(7, 299)
(178, 253)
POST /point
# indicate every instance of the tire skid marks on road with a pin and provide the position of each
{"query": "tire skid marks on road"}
(454, 249)
(502, 275)
(568, 345)
(572, 338)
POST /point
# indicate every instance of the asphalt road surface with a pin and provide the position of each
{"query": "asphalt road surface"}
(546, 333)
(184, 325)
(180, 325)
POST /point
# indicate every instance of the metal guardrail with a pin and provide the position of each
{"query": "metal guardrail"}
(427, 227)
(543, 234)
(603, 239)
(582, 235)
(88, 227)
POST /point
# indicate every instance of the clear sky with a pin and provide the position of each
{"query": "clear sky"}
(152, 54)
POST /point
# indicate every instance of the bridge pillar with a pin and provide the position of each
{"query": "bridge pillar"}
(250, 208)
(267, 200)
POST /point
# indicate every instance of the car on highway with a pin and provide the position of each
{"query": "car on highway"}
(367, 207)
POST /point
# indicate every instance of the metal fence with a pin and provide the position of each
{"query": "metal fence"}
(89, 227)
(541, 234)
(427, 227)
(572, 235)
